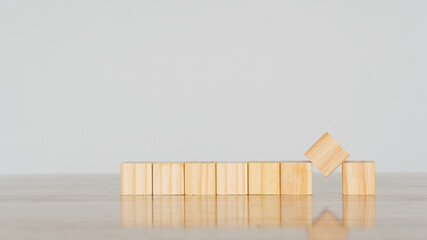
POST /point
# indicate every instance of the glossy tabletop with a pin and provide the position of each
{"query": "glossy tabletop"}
(90, 207)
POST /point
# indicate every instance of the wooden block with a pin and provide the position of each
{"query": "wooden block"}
(264, 211)
(200, 179)
(137, 211)
(264, 178)
(358, 211)
(327, 226)
(168, 178)
(200, 211)
(326, 154)
(358, 178)
(232, 178)
(232, 211)
(168, 211)
(296, 177)
(136, 179)
(296, 210)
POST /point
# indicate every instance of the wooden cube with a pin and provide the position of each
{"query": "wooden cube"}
(136, 179)
(168, 211)
(296, 177)
(358, 211)
(232, 211)
(296, 210)
(200, 211)
(264, 211)
(232, 178)
(200, 178)
(264, 177)
(137, 211)
(168, 178)
(326, 154)
(358, 178)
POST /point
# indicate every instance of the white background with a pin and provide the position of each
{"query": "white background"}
(88, 84)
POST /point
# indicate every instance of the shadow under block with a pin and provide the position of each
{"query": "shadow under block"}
(358, 178)
(296, 177)
(168, 178)
(326, 154)
(264, 178)
(136, 179)
(358, 211)
(232, 178)
(200, 178)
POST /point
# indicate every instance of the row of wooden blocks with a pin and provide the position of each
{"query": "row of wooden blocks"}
(253, 178)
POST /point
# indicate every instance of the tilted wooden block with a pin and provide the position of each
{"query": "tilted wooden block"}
(232, 178)
(200, 178)
(168, 178)
(358, 178)
(358, 211)
(264, 177)
(136, 179)
(296, 177)
(326, 154)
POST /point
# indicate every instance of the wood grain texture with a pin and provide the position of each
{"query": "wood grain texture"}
(358, 211)
(358, 178)
(296, 210)
(232, 178)
(136, 179)
(200, 178)
(168, 178)
(296, 177)
(264, 177)
(264, 211)
(326, 154)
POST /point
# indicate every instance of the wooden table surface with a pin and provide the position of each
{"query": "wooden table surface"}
(90, 207)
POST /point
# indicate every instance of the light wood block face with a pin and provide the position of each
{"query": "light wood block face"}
(232, 178)
(326, 154)
(200, 178)
(358, 178)
(264, 178)
(358, 211)
(136, 179)
(168, 178)
(296, 177)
